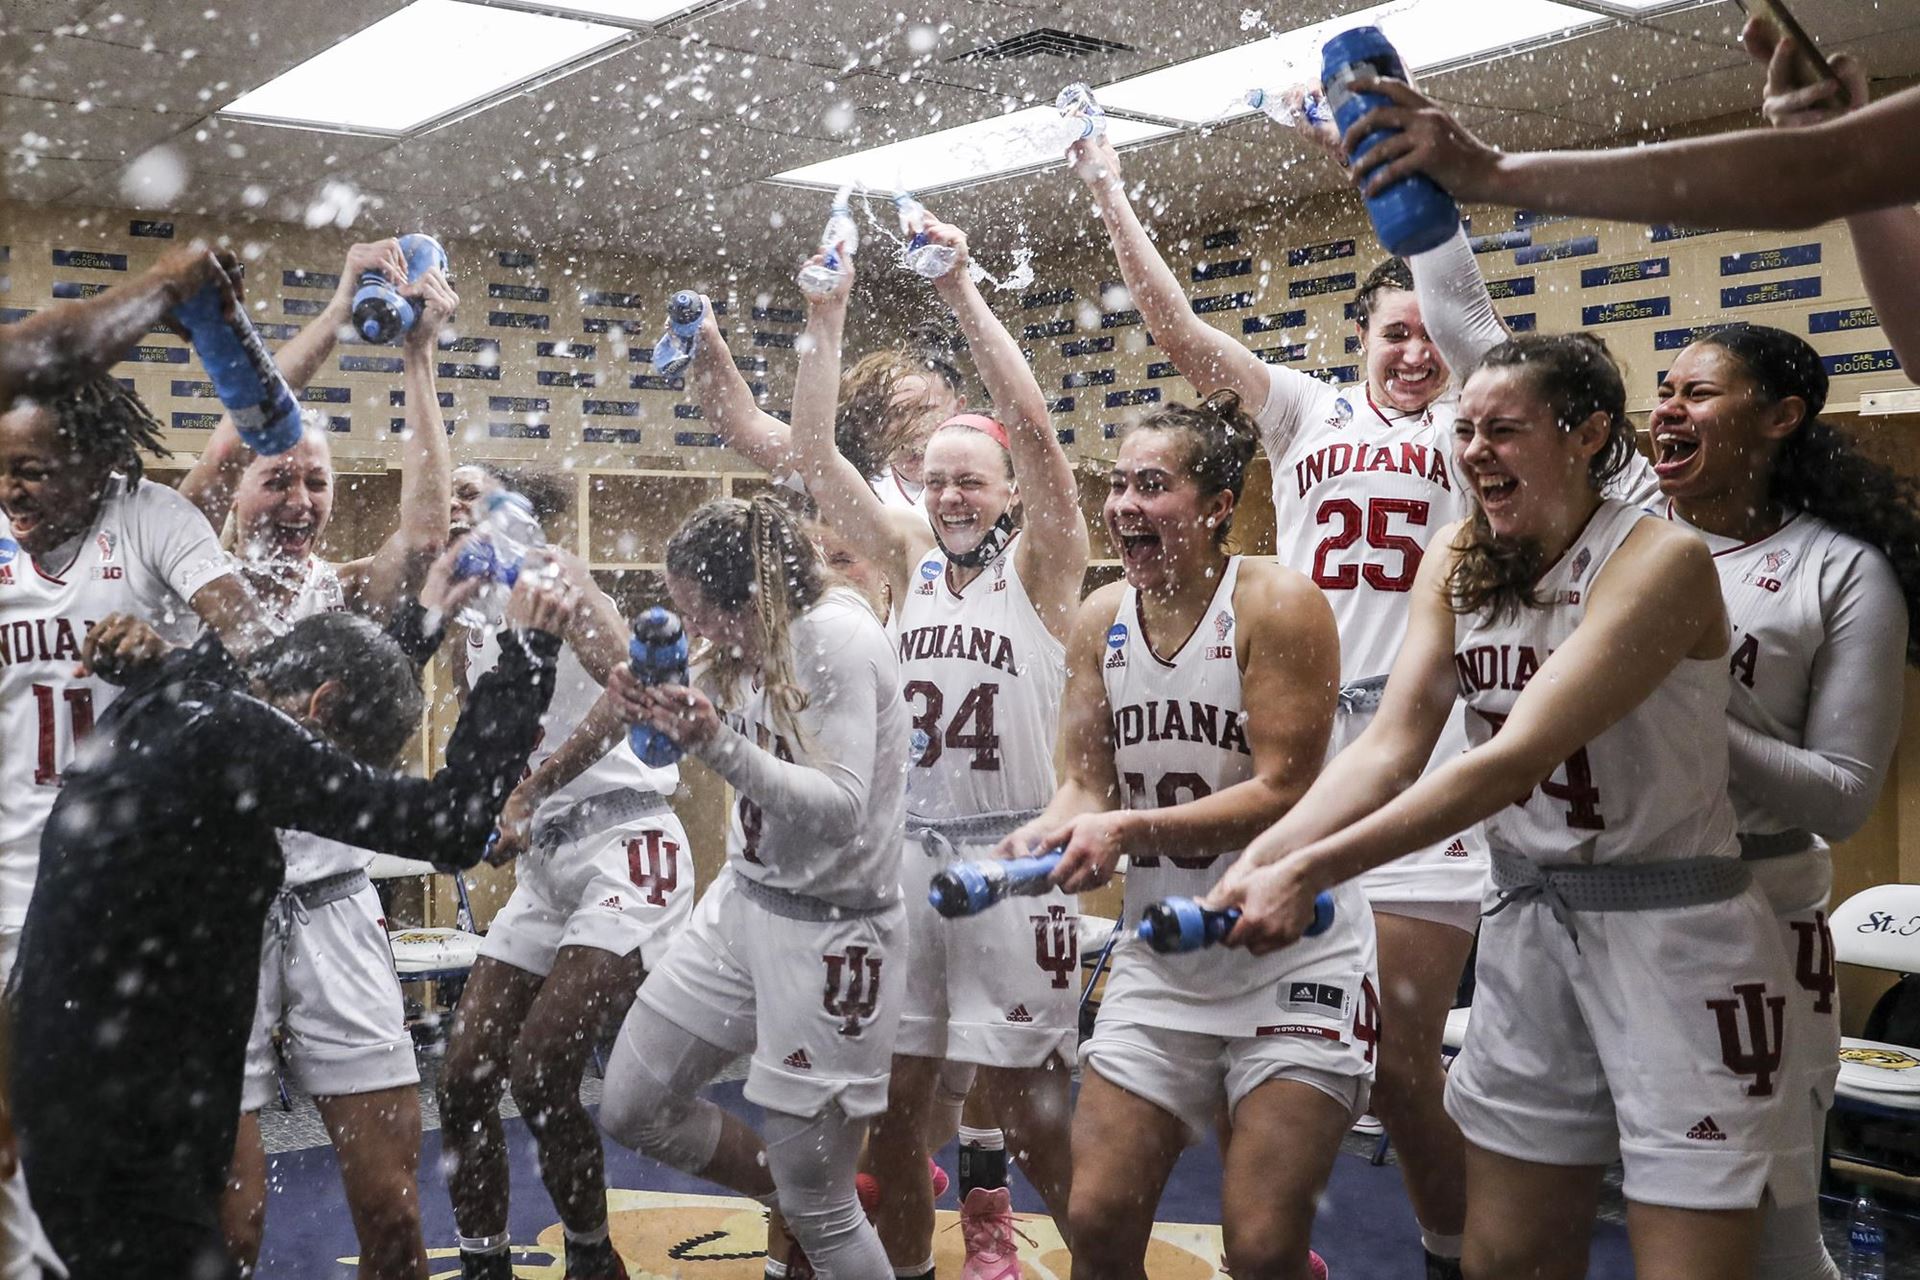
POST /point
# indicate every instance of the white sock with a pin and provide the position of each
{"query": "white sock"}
(985, 1139)
(594, 1236)
(924, 1269)
(1442, 1246)
(485, 1244)
(776, 1270)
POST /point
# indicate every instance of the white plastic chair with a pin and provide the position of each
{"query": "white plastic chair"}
(1879, 928)
(429, 954)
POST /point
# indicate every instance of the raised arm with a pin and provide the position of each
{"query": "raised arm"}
(395, 572)
(1829, 782)
(216, 475)
(1053, 555)
(1456, 306)
(1205, 356)
(1753, 180)
(728, 403)
(66, 344)
(891, 538)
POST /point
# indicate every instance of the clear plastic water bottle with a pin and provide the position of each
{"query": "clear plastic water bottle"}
(658, 655)
(841, 238)
(674, 352)
(1414, 214)
(380, 314)
(925, 258)
(244, 376)
(503, 536)
(1866, 1242)
(1272, 103)
(1078, 107)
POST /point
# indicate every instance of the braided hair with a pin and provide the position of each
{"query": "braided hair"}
(752, 555)
(106, 425)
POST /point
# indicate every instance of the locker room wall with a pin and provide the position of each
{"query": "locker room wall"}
(545, 374)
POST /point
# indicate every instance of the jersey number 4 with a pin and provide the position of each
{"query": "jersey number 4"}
(971, 728)
(46, 769)
(1581, 796)
(1375, 522)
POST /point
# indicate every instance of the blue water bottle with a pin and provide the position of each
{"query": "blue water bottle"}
(968, 888)
(1414, 214)
(1181, 924)
(674, 352)
(244, 376)
(503, 535)
(380, 314)
(658, 655)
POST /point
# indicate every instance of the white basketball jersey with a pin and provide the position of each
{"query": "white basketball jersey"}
(844, 662)
(1179, 727)
(895, 492)
(1773, 593)
(146, 553)
(1357, 496)
(982, 678)
(574, 694)
(1653, 786)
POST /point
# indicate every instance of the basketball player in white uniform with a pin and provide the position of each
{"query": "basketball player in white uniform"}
(1362, 481)
(604, 875)
(985, 597)
(797, 953)
(327, 982)
(1820, 634)
(1632, 989)
(1167, 767)
(82, 535)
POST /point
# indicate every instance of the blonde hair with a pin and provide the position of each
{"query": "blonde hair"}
(752, 555)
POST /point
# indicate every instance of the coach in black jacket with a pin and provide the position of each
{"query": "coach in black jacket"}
(140, 959)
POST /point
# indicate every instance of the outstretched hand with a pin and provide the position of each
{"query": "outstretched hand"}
(1429, 141)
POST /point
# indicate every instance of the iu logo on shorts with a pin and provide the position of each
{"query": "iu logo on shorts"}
(1056, 945)
(1763, 1015)
(1814, 965)
(853, 988)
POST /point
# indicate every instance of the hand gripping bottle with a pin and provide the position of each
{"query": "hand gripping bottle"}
(968, 888)
(244, 376)
(501, 539)
(1272, 104)
(380, 314)
(925, 258)
(841, 238)
(658, 653)
(674, 352)
(1414, 214)
(1078, 108)
(1181, 924)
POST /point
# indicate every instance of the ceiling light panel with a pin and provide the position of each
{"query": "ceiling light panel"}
(1014, 143)
(367, 84)
(1428, 33)
(632, 13)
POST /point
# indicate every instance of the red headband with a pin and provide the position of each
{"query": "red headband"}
(983, 424)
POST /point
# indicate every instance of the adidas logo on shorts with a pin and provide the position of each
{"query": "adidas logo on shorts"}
(798, 1061)
(1457, 849)
(1019, 1014)
(611, 900)
(1707, 1131)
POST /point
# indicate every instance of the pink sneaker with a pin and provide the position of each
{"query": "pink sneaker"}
(986, 1225)
(868, 1188)
(1317, 1265)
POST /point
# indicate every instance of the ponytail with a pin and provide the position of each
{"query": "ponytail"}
(1220, 439)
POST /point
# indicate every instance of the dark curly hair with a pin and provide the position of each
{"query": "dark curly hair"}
(1220, 439)
(1820, 471)
(105, 423)
(1577, 377)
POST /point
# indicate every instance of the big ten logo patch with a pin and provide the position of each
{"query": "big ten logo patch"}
(1222, 632)
(1056, 945)
(714, 1237)
(107, 542)
(1766, 574)
(853, 988)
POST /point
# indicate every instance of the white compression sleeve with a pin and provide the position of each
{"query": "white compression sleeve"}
(1455, 305)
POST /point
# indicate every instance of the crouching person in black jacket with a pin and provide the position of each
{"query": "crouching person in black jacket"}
(136, 981)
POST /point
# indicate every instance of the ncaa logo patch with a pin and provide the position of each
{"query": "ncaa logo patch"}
(929, 570)
(9, 551)
(1116, 635)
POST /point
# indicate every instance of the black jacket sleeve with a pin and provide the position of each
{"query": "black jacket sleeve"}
(297, 780)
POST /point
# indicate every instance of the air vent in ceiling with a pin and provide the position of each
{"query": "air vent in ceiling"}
(1049, 41)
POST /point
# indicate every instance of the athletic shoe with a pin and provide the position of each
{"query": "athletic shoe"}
(1369, 1126)
(1439, 1268)
(594, 1262)
(868, 1188)
(486, 1266)
(1317, 1265)
(986, 1225)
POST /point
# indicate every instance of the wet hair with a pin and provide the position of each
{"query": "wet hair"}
(935, 346)
(550, 493)
(381, 701)
(1577, 377)
(107, 425)
(1389, 276)
(869, 430)
(1820, 471)
(752, 556)
(1220, 442)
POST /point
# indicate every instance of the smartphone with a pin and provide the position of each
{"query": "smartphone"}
(1813, 66)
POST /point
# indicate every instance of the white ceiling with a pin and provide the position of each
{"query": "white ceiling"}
(662, 149)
